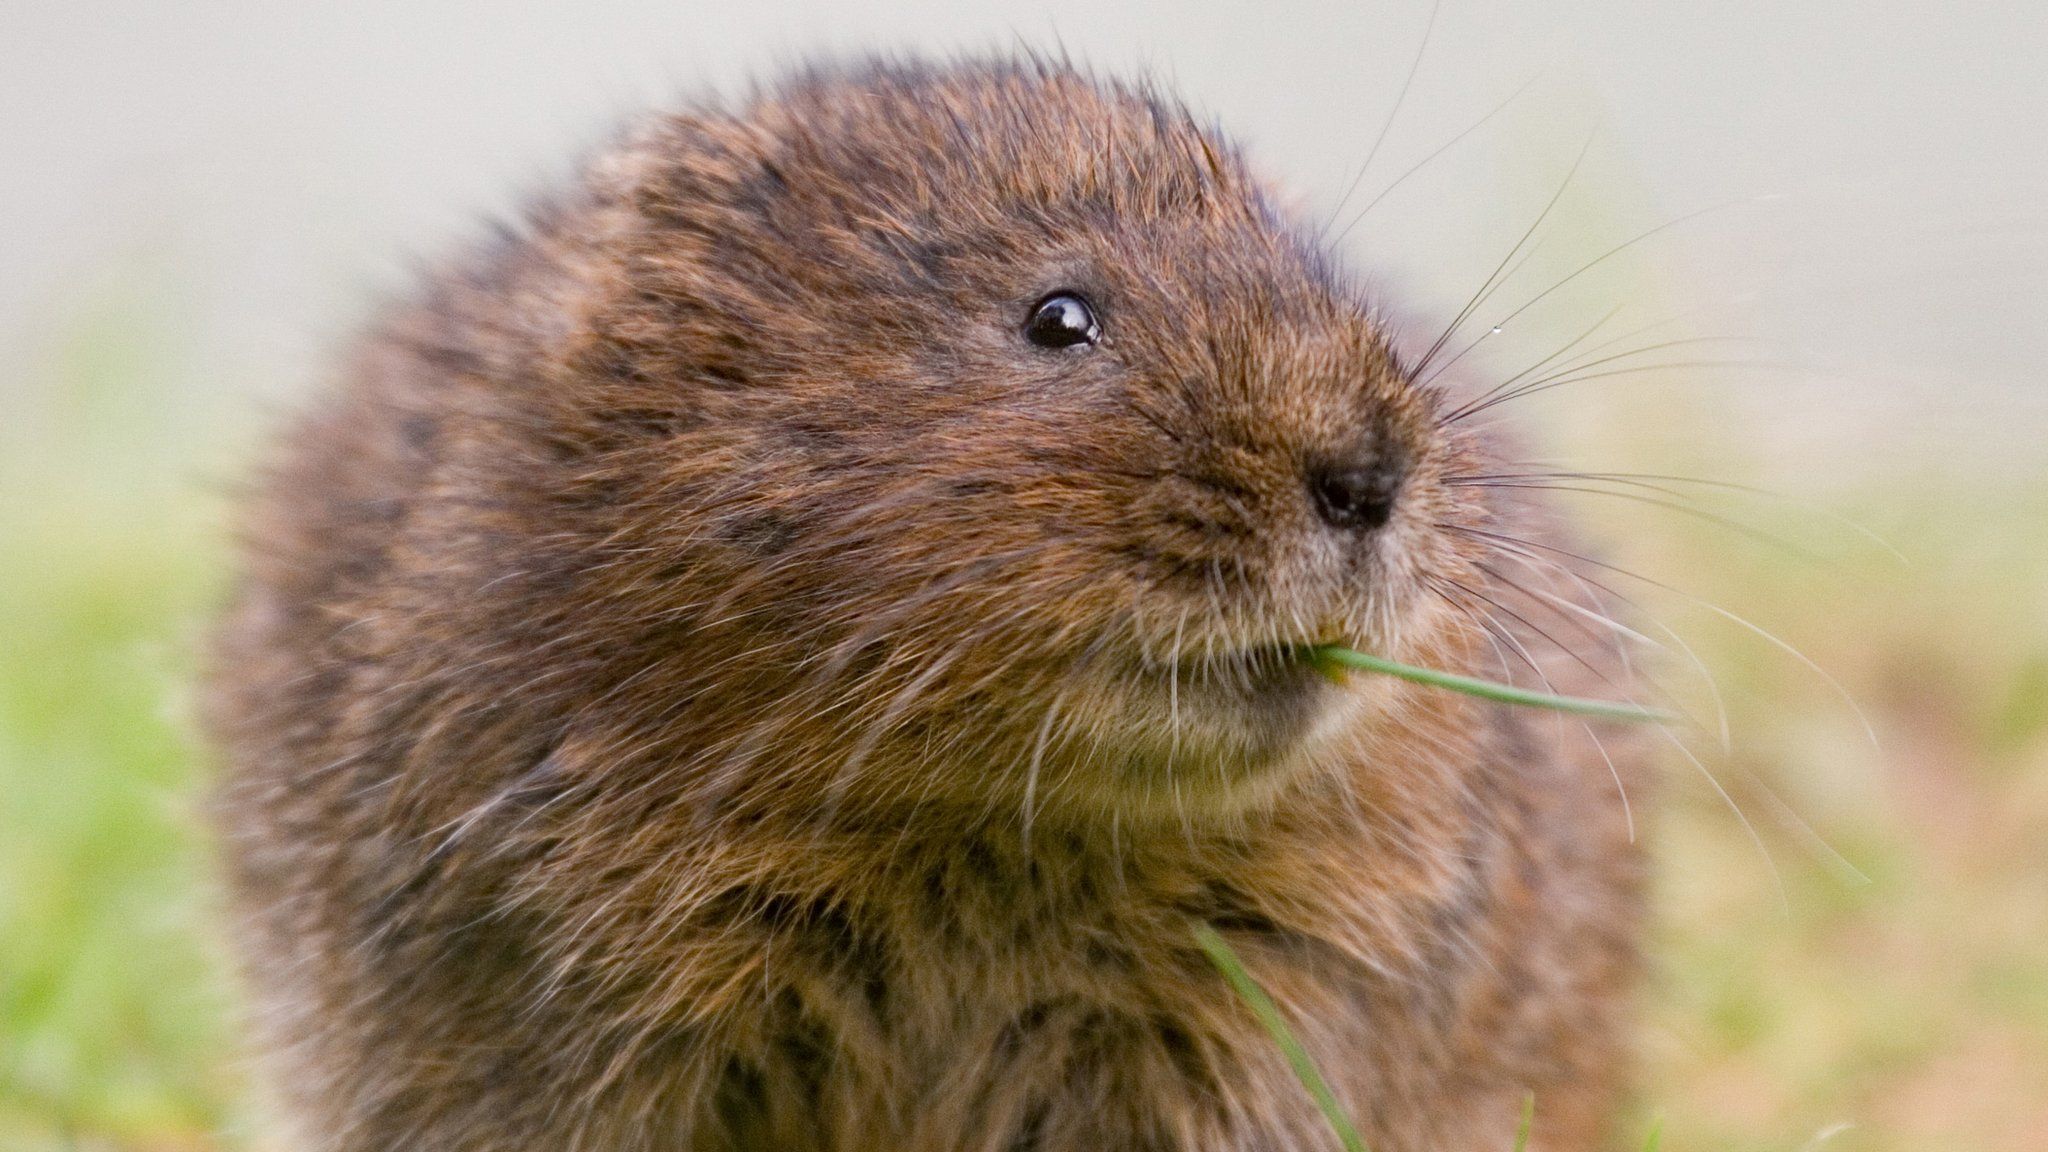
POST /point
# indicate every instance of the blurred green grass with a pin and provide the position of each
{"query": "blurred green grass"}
(1910, 1003)
(114, 1019)
(1793, 996)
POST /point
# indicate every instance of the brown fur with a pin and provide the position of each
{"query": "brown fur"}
(706, 682)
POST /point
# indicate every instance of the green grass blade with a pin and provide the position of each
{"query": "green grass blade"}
(1528, 1121)
(1255, 998)
(1331, 654)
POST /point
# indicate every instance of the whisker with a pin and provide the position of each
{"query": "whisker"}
(1507, 390)
(1496, 632)
(1495, 279)
(1719, 521)
(1558, 603)
(1777, 877)
(1628, 814)
(1581, 626)
(1620, 787)
(1591, 331)
(1038, 745)
(1393, 113)
(1419, 165)
(1624, 246)
(1539, 365)
(1869, 729)
(1651, 480)
(1815, 842)
(1728, 798)
(1549, 383)
(1531, 560)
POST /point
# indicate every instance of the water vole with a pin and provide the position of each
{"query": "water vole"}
(781, 650)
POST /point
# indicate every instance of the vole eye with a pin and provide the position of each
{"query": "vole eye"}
(1062, 320)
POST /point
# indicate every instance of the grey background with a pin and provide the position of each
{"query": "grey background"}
(221, 190)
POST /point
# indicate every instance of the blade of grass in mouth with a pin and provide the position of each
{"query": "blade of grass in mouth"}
(1335, 656)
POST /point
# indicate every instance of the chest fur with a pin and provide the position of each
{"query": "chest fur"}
(1027, 1000)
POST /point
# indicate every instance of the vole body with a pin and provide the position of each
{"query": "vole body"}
(715, 678)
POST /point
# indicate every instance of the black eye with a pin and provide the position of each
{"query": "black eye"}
(1062, 320)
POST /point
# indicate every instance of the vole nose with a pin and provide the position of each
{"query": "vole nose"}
(1356, 495)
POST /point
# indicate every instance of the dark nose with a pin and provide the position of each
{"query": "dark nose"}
(1356, 495)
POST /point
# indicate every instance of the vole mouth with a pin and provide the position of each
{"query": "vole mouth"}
(1256, 671)
(1237, 709)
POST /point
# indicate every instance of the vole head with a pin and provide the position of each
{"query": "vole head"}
(982, 432)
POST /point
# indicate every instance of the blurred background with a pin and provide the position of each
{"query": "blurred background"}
(1812, 234)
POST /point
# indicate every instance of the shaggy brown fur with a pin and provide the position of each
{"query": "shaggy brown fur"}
(707, 681)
